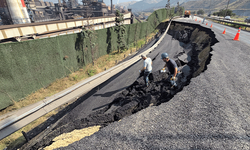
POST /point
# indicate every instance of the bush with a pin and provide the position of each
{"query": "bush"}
(30, 65)
(140, 43)
(200, 12)
(224, 12)
(91, 72)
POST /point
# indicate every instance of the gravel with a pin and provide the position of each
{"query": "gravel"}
(210, 111)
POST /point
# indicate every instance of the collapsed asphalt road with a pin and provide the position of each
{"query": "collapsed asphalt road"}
(97, 98)
(198, 117)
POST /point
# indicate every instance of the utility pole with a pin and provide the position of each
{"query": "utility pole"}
(60, 6)
(111, 6)
(209, 9)
(226, 10)
(178, 8)
(30, 12)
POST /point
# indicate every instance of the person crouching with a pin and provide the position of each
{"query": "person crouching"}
(172, 67)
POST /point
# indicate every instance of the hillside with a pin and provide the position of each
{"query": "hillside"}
(240, 7)
(145, 5)
(126, 4)
(240, 4)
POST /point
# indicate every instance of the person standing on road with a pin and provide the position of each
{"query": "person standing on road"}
(147, 68)
(172, 67)
(203, 20)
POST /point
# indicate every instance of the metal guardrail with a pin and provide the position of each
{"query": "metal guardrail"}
(226, 21)
(14, 123)
(222, 18)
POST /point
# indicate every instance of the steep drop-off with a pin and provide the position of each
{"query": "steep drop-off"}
(192, 59)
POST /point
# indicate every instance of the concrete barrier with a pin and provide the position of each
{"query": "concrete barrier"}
(14, 31)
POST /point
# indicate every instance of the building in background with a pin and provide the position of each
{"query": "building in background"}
(14, 12)
(4, 13)
(72, 4)
(90, 8)
(27, 11)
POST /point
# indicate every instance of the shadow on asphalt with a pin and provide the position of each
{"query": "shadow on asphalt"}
(108, 94)
(137, 97)
(53, 119)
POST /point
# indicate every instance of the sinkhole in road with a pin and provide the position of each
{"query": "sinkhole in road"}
(197, 43)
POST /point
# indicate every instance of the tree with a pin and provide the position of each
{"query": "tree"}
(119, 18)
(172, 11)
(121, 31)
(168, 8)
(86, 44)
(168, 5)
(222, 12)
(200, 12)
(181, 10)
(177, 9)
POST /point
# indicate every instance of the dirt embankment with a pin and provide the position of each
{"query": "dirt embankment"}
(196, 42)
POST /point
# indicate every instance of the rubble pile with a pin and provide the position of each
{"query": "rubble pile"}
(192, 61)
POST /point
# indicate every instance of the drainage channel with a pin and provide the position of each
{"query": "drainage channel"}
(196, 42)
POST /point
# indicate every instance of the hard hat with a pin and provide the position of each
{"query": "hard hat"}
(164, 55)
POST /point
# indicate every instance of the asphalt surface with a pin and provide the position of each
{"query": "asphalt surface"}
(95, 100)
(230, 31)
(212, 112)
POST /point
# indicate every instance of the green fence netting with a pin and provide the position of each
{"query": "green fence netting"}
(28, 66)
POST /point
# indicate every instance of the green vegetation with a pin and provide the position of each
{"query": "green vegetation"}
(31, 65)
(233, 25)
(140, 43)
(180, 11)
(90, 35)
(33, 70)
(200, 12)
(136, 21)
(237, 26)
(91, 72)
(101, 64)
(224, 12)
(121, 31)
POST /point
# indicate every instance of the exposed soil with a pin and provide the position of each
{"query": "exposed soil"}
(65, 139)
(196, 42)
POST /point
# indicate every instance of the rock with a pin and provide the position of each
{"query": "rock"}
(184, 58)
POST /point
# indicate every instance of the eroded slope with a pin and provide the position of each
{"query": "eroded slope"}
(192, 59)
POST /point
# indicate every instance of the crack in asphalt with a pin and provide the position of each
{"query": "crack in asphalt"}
(192, 61)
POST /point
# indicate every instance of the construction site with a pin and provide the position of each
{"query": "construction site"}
(208, 109)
